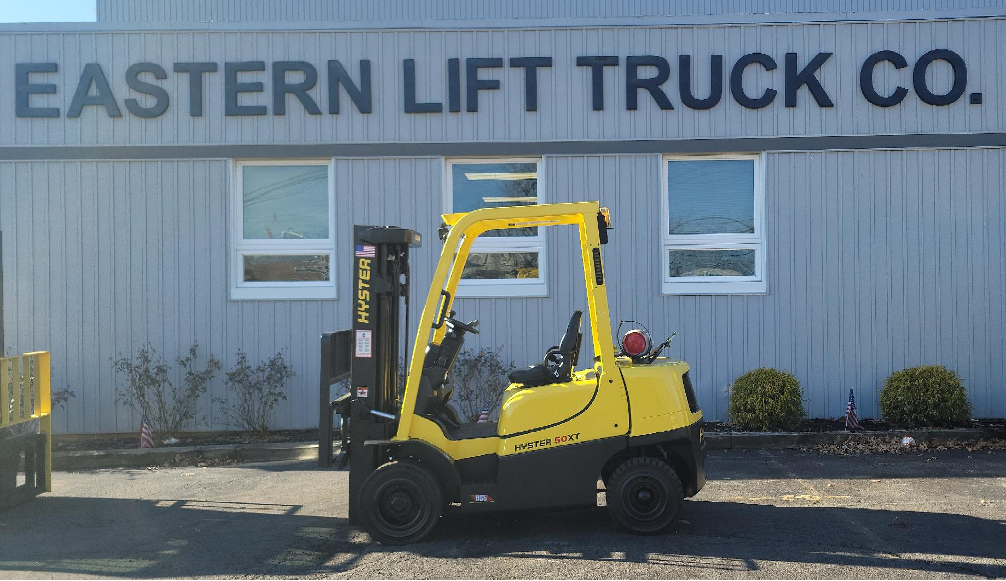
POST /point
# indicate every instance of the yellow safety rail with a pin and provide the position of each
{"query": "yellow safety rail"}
(25, 395)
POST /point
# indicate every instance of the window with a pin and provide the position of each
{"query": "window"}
(713, 229)
(502, 263)
(282, 231)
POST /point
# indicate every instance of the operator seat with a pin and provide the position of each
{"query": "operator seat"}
(559, 361)
(434, 389)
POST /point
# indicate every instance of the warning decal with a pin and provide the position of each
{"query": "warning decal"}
(364, 345)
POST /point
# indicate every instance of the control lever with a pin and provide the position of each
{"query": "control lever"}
(656, 352)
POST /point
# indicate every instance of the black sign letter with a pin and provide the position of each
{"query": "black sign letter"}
(233, 89)
(475, 84)
(737, 80)
(633, 83)
(866, 78)
(281, 87)
(361, 96)
(715, 82)
(92, 74)
(454, 85)
(531, 65)
(795, 80)
(160, 96)
(597, 64)
(411, 106)
(195, 71)
(24, 89)
(960, 77)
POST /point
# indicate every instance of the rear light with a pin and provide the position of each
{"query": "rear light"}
(636, 343)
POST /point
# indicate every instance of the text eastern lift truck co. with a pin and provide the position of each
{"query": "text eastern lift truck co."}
(630, 419)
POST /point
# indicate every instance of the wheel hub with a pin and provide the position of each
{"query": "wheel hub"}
(400, 502)
(644, 498)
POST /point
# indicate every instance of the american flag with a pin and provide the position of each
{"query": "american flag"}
(366, 251)
(484, 416)
(146, 436)
(851, 422)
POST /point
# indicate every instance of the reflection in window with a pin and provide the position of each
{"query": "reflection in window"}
(282, 231)
(286, 268)
(287, 202)
(492, 185)
(712, 232)
(711, 197)
(501, 265)
(686, 263)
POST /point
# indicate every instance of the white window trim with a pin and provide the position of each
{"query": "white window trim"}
(241, 290)
(701, 285)
(489, 288)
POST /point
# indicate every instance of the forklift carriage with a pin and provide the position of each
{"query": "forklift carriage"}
(630, 418)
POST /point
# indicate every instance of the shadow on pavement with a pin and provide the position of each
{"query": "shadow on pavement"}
(733, 536)
(170, 538)
(138, 538)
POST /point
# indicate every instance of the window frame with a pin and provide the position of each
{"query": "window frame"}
(501, 288)
(240, 247)
(718, 285)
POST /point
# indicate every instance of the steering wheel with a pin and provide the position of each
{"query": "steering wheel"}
(554, 360)
(469, 327)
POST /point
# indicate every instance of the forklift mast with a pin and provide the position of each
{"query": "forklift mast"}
(368, 354)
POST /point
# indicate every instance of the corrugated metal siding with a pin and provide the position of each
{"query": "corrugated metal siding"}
(877, 260)
(564, 111)
(419, 10)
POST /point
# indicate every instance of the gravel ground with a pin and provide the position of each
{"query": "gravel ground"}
(774, 514)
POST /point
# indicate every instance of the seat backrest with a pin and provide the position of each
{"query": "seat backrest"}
(571, 340)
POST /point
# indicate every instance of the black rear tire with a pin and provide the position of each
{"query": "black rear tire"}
(644, 495)
(400, 503)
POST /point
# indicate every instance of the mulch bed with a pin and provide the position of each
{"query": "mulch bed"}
(895, 446)
(75, 443)
(838, 425)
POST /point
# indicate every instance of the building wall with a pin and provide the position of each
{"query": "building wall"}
(564, 106)
(439, 10)
(877, 260)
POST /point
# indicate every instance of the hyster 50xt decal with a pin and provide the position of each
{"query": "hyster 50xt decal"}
(363, 293)
(563, 439)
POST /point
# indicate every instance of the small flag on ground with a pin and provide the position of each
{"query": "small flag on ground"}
(146, 435)
(484, 416)
(851, 422)
(366, 251)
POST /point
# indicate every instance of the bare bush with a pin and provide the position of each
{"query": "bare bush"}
(479, 379)
(256, 390)
(150, 391)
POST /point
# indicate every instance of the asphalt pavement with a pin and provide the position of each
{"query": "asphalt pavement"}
(778, 514)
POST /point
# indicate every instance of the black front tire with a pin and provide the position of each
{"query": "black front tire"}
(644, 495)
(400, 503)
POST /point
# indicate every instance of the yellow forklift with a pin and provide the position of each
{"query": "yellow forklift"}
(627, 418)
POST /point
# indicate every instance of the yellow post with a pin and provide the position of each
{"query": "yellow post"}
(18, 388)
(43, 405)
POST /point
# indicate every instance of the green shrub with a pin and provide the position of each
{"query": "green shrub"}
(926, 396)
(766, 399)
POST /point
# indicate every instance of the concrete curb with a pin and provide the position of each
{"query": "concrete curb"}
(762, 440)
(137, 458)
